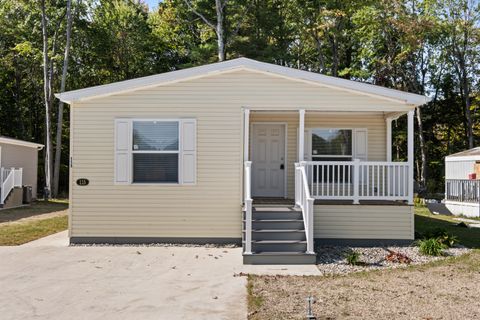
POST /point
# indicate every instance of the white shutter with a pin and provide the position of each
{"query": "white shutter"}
(307, 145)
(307, 148)
(361, 144)
(122, 151)
(189, 151)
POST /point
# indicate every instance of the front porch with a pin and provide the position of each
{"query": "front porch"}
(335, 168)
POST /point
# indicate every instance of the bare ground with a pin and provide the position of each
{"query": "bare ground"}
(38, 210)
(445, 289)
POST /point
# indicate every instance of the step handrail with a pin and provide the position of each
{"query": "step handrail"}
(304, 200)
(7, 178)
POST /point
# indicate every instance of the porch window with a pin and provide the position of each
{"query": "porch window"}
(155, 151)
(332, 145)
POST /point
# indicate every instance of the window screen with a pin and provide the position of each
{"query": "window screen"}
(155, 151)
(155, 167)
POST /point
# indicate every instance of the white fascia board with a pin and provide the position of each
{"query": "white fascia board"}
(240, 63)
(21, 143)
(462, 158)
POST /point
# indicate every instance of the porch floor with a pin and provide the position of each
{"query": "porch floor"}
(291, 202)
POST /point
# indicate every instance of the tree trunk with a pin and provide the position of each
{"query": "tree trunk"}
(219, 4)
(46, 86)
(468, 114)
(422, 177)
(58, 145)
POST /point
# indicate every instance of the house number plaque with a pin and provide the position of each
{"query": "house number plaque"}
(82, 182)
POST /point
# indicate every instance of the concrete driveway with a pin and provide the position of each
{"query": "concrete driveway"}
(47, 279)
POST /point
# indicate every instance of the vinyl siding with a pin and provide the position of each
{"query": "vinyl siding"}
(459, 169)
(21, 157)
(211, 208)
(374, 122)
(363, 222)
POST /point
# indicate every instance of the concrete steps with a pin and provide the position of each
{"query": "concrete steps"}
(278, 237)
(14, 199)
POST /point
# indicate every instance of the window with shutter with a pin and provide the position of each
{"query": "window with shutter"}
(334, 144)
(155, 151)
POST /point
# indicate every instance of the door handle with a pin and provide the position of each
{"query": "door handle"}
(282, 167)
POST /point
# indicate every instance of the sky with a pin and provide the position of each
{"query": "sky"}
(152, 4)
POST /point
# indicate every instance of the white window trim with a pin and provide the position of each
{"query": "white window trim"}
(354, 151)
(180, 147)
(130, 152)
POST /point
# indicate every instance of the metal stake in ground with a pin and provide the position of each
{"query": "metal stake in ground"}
(310, 301)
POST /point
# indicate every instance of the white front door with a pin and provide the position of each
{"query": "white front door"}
(268, 160)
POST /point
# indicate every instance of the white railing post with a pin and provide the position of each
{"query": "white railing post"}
(356, 181)
(297, 184)
(248, 206)
(248, 226)
(301, 135)
(310, 242)
(1, 185)
(246, 134)
(389, 139)
(410, 155)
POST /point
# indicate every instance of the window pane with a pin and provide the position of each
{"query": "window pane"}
(155, 135)
(155, 167)
(332, 142)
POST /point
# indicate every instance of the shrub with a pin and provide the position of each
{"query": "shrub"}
(431, 247)
(352, 257)
(443, 236)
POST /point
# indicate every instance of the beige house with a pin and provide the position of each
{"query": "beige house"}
(18, 168)
(179, 156)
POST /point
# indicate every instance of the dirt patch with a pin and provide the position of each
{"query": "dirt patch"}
(38, 210)
(441, 290)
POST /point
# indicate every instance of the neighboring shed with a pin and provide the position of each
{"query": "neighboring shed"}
(20, 159)
(462, 184)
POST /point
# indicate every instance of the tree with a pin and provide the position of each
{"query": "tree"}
(58, 144)
(463, 43)
(47, 101)
(218, 27)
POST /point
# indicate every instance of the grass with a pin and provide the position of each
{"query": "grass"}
(253, 301)
(18, 231)
(426, 222)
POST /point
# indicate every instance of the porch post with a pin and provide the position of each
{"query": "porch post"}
(410, 156)
(246, 134)
(301, 134)
(389, 139)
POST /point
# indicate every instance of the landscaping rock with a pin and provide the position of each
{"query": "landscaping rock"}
(331, 259)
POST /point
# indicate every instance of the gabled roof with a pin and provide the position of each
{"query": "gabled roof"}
(17, 142)
(471, 154)
(240, 63)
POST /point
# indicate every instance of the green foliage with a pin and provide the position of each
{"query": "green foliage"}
(431, 247)
(352, 257)
(398, 44)
(442, 236)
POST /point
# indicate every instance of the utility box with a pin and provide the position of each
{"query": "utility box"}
(27, 194)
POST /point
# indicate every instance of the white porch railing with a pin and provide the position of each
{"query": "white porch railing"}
(304, 200)
(359, 180)
(9, 178)
(247, 194)
(462, 190)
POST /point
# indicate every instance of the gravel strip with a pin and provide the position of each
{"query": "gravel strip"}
(331, 259)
